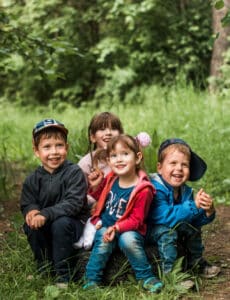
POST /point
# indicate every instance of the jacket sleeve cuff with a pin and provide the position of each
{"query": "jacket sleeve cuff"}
(195, 211)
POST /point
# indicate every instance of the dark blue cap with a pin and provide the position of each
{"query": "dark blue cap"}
(49, 123)
(197, 165)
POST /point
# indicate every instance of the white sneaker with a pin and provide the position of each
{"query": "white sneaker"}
(210, 271)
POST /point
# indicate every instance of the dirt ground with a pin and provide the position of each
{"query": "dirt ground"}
(216, 238)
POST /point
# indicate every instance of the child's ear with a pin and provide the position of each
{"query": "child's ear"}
(36, 152)
(139, 158)
(92, 138)
(159, 167)
(108, 160)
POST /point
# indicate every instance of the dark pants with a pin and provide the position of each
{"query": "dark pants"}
(52, 244)
(167, 239)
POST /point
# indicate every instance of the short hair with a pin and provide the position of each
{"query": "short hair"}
(180, 147)
(48, 133)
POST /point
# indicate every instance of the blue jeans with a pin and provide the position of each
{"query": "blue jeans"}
(52, 244)
(130, 242)
(167, 240)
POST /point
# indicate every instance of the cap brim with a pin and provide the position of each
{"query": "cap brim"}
(197, 167)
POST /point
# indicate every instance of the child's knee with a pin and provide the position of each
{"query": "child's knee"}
(61, 225)
(130, 240)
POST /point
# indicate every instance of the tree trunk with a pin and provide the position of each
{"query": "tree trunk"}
(221, 44)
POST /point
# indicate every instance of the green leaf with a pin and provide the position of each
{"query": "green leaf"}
(226, 19)
(219, 4)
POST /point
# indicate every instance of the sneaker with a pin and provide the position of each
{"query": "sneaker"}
(187, 284)
(153, 285)
(210, 271)
(90, 285)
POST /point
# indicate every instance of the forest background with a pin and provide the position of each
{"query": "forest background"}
(161, 66)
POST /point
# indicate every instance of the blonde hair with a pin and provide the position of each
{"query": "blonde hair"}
(180, 147)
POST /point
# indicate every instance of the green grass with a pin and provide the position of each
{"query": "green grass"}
(16, 268)
(199, 118)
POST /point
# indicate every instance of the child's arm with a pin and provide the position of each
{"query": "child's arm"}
(29, 200)
(95, 178)
(137, 217)
(204, 201)
(96, 191)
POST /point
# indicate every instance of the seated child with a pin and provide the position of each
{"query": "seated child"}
(87, 238)
(122, 208)
(53, 201)
(102, 128)
(177, 215)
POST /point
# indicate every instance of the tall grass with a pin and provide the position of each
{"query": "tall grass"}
(201, 119)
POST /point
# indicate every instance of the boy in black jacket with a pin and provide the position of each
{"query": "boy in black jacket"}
(53, 201)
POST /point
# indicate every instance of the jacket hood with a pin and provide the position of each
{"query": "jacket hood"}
(143, 181)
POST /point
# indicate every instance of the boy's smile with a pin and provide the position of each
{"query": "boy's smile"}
(52, 152)
(175, 168)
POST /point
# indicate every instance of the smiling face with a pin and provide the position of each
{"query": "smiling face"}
(174, 168)
(124, 161)
(103, 136)
(102, 128)
(52, 152)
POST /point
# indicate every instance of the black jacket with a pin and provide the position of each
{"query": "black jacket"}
(62, 193)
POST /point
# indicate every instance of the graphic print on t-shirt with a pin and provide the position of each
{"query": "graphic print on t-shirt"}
(116, 203)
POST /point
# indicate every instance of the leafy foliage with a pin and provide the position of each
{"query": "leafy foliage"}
(73, 51)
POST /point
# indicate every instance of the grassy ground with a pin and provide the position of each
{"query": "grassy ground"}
(202, 120)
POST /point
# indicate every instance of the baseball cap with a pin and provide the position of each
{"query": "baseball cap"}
(197, 165)
(49, 123)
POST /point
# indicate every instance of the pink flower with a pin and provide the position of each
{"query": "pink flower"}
(143, 139)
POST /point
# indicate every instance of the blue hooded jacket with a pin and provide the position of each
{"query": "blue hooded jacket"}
(165, 212)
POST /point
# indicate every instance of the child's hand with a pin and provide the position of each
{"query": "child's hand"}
(30, 215)
(95, 178)
(37, 221)
(204, 200)
(109, 234)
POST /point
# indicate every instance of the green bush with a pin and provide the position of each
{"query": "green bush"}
(53, 51)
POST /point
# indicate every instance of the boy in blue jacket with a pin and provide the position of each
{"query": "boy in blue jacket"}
(175, 214)
(53, 202)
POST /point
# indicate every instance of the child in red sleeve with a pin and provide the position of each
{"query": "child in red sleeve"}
(122, 208)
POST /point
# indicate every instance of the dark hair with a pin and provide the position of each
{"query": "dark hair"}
(101, 121)
(48, 133)
(126, 140)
